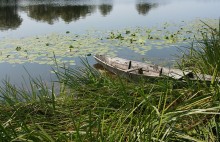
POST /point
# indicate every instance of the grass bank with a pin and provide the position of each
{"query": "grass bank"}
(96, 107)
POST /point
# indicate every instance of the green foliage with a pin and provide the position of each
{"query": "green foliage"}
(18, 48)
(98, 107)
(69, 46)
(94, 106)
(203, 55)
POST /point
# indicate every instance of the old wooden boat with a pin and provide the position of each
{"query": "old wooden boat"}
(135, 70)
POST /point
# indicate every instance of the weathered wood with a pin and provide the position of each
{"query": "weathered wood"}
(134, 69)
(130, 70)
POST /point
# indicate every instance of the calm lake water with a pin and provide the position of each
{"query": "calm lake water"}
(22, 21)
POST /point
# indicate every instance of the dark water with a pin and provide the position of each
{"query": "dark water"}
(26, 18)
(21, 18)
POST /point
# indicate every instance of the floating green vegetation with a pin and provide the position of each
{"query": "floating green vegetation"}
(66, 47)
(93, 106)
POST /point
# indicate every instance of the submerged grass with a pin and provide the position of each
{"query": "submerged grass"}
(96, 107)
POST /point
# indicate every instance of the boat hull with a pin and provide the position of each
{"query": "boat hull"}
(137, 70)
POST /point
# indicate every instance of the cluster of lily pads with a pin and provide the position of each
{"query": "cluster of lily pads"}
(67, 46)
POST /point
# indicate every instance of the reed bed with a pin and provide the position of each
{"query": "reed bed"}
(97, 107)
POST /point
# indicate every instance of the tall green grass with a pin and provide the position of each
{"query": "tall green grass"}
(203, 55)
(97, 107)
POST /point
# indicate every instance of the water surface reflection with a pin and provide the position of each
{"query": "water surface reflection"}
(27, 19)
(9, 17)
(105, 9)
(50, 13)
(144, 7)
(53, 11)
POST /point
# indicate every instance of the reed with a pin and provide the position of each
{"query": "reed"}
(203, 55)
(97, 107)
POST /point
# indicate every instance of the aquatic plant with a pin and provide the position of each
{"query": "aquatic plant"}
(97, 107)
(203, 55)
(69, 46)
(93, 106)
